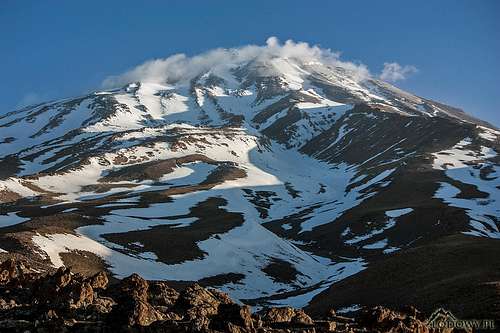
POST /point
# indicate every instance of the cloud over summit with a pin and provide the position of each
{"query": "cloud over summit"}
(181, 68)
(393, 71)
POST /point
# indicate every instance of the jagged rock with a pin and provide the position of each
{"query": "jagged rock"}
(302, 318)
(234, 314)
(197, 301)
(64, 291)
(103, 304)
(133, 307)
(279, 315)
(82, 294)
(4, 277)
(198, 324)
(62, 278)
(160, 294)
(135, 287)
(232, 328)
(99, 281)
(167, 315)
(143, 314)
(133, 311)
(48, 290)
(257, 321)
(6, 272)
(222, 297)
(381, 319)
(4, 305)
(11, 269)
(67, 302)
(326, 325)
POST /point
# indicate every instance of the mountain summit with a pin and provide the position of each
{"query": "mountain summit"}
(275, 173)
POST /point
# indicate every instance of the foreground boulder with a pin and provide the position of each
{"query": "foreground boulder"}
(133, 307)
(66, 302)
(287, 316)
(381, 319)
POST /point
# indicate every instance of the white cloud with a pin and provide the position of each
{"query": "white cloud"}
(180, 67)
(393, 71)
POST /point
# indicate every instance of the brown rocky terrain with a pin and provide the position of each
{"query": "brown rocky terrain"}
(63, 301)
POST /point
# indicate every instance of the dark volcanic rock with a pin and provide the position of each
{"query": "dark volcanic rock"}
(231, 315)
(99, 281)
(197, 302)
(66, 302)
(11, 270)
(134, 287)
(279, 315)
(381, 319)
(160, 294)
(133, 307)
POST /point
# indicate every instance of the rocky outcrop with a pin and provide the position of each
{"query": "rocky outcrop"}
(66, 302)
(381, 319)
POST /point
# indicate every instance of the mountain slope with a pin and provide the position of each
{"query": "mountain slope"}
(271, 177)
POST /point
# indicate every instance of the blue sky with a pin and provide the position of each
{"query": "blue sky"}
(52, 49)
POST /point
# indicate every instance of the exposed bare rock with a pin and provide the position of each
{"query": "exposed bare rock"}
(99, 281)
(160, 294)
(233, 317)
(381, 319)
(302, 318)
(83, 295)
(66, 302)
(139, 313)
(11, 269)
(102, 305)
(134, 287)
(197, 301)
(279, 315)
(133, 307)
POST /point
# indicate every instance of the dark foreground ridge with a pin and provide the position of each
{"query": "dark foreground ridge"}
(66, 302)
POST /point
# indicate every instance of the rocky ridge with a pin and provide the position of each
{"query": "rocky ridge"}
(63, 301)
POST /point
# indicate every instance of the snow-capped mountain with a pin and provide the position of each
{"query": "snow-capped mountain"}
(266, 173)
